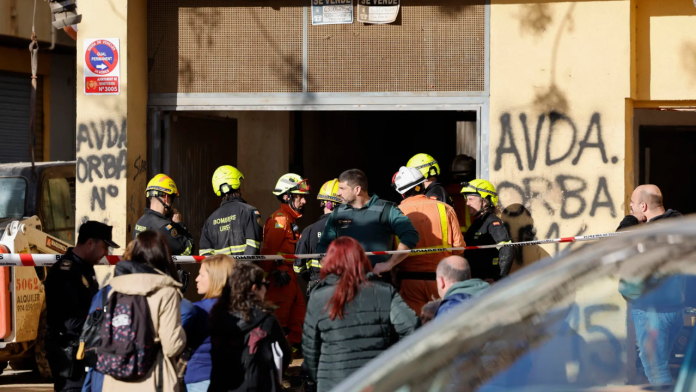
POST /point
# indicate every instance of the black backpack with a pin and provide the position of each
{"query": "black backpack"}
(90, 338)
(127, 351)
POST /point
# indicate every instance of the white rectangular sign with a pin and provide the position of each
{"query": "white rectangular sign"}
(102, 70)
(378, 11)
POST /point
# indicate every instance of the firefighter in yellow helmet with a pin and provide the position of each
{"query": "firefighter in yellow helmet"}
(463, 170)
(486, 229)
(163, 217)
(431, 171)
(328, 201)
(235, 227)
(280, 235)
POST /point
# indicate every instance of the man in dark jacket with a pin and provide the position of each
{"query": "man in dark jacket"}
(310, 269)
(235, 228)
(656, 314)
(70, 286)
(163, 217)
(454, 283)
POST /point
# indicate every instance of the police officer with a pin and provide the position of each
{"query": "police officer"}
(70, 286)
(235, 228)
(328, 197)
(162, 217)
(431, 170)
(371, 221)
(486, 229)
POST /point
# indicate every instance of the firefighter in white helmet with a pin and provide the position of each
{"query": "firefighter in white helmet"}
(437, 227)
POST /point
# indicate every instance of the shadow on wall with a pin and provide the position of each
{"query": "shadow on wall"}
(534, 18)
(520, 224)
(688, 50)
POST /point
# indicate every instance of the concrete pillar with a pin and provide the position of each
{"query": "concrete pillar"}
(111, 129)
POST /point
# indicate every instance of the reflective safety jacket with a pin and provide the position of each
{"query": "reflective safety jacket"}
(437, 227)
(178, 237)
(280, 235)
(436, 190)
(494, 264)
(308, 244)
(233, 229)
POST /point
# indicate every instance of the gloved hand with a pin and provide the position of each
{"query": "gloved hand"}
(280, 278)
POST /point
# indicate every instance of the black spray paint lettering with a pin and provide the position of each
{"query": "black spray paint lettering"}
(102, 165)
(140, 166)
(507, 143)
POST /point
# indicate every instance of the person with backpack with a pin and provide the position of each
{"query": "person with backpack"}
(141, 334)
(249, 348)
(210, 282)
(352, 316)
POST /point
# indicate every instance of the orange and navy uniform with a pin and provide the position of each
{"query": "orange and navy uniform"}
(438, 227)
(280, 235)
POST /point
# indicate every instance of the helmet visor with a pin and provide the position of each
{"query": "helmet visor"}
(302, 187)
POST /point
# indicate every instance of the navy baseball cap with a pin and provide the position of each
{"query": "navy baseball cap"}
(96, 230)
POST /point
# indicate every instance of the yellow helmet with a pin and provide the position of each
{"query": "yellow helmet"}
(161, 183)
(291, 183)
(226, 178)
(482, 188)
(329, 191)
(426, 164)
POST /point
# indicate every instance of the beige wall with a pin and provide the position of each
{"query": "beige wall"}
(560, 76)
(666, 49)
(109, 186)
(262, 154)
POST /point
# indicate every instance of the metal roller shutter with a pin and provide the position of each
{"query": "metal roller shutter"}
(15, 94)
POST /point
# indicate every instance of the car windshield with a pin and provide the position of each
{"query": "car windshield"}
(13, 191)
(602, 319)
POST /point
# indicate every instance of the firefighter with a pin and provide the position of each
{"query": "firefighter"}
(163, 217)
(329, 200)
(463, 170)
(431, 170)
(280, 235)
(437, 227)
(234, 228)
(486, 229)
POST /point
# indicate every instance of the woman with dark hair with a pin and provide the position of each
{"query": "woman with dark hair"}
(150, 273)
(246, 337)
(352, 316)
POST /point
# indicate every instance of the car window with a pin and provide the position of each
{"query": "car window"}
(58, 208)
(609, 332)
(13, 191)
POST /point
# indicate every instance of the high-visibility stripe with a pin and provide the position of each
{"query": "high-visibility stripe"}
(204, 252)
(314, 263)
(502, 243)
(253, 243)
(443, 223)
(298, 269)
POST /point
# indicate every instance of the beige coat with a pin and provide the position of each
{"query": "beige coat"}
(164, 300)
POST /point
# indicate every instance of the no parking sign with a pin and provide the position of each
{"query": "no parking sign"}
(102, 67)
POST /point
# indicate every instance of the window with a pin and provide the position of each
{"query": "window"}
(58, 208)
(13, 192)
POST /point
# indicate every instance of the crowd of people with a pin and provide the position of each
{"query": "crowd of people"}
(138, 333)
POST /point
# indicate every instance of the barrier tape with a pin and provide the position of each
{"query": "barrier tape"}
(40, 260)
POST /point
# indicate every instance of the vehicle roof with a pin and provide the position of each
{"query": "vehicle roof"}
(24, 168)
(665, 248)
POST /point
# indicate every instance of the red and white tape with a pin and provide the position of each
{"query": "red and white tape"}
(40, 260)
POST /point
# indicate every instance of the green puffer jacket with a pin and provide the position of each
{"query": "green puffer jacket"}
(375, 319)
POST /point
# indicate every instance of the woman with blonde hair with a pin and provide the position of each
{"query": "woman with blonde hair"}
(211, 279)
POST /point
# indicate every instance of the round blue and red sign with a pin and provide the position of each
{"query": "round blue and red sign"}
(101, 57)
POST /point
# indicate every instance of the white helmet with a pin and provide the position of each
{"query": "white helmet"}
(406, 179)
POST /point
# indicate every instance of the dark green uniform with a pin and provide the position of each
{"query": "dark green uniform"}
(177, 235)
(373, 226)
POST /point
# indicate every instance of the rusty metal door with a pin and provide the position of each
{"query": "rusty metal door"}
(195, 146)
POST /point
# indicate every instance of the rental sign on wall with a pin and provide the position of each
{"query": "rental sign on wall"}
(102, 70)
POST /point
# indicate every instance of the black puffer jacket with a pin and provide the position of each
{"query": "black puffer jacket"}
(375, 319)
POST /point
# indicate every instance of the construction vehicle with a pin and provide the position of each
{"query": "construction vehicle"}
(37, 215)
